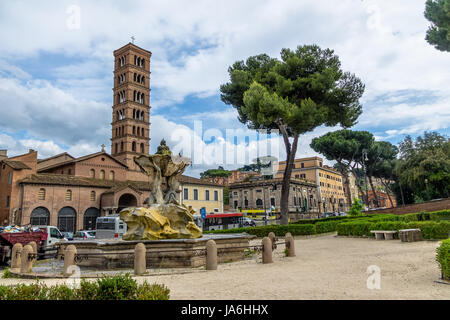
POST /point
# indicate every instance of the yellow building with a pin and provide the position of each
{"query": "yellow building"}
(199, 194)
(328, 180)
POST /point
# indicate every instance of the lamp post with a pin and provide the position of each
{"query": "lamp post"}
(364, 159)
(426, 188)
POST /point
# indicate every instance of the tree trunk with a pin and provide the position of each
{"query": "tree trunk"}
(374, 193)
(348, 192)
(285, 185)
(387, 192)
(360, 188)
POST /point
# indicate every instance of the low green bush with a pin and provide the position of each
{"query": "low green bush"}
(440, 215)
(326, 226)
(279, 230)
(355, 228)
(443, 258)
(119, 287)
(434, 230)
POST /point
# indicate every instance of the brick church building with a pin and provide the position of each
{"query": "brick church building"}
(70, 192)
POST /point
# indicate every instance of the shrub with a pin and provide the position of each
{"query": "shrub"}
(279, 230)
(440, 215)
(107, 288)
(355, 228)
(7, 274)
(432, 229)
(443, 258)
(326, 226)
(356, 208)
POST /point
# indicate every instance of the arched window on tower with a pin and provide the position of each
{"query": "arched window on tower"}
(133, 146)
(143, 80)
(134, 129)
(142, 63)
(116, 148)
(142, 148)
(135, 77)
(142, 116)
(138, 131)
(123, 130)
(121, 146)
(142, 132)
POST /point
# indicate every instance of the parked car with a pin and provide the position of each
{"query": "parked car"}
(247, 222)
(68, 235)
(84, 235)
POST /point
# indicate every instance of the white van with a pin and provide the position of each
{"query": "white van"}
(110, 227)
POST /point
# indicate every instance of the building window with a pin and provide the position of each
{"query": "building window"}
(272, 202)
(186, 194)
(195, 194)
(207, 195)
(10, 178)
(102, 174)
(92, 195)
(68, 195)
(8, 200)
(302, 165)
(133, 146)
(41, 195)
(111, 175)
(142, 148)
(216, 195)
(92, 173)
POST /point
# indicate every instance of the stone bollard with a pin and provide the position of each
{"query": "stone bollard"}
(16, 260)
(290, 246)
(26, 265)
(211, 255)
(267, 250)
(273, 239)
(140, 263)
(34, 246)
(69, 258)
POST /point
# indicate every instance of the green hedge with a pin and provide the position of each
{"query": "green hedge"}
(279, 230)
(430, 229)
(443, 258)
(326, 226)
(107, 288)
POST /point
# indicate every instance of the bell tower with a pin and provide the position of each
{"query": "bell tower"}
(131, 104)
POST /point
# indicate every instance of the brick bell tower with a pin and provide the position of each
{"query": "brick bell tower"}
(131, 105)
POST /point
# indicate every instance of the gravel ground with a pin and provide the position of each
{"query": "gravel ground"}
(326, 267)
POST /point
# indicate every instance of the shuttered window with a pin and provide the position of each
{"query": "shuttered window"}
(68, 195)
(41, 194)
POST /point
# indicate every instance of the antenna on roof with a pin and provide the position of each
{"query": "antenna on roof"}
(132, 39)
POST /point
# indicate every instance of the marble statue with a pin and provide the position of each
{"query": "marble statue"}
(163, 217)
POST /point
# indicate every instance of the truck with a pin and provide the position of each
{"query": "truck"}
(45, 237)
(110, 227)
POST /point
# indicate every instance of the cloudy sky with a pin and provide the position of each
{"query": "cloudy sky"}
(56, 63)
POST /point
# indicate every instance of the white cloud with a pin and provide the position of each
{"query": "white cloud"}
(193, 43)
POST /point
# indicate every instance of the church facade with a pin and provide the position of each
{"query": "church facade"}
(70, 192)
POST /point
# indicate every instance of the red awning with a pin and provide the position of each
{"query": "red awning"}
(224, 215)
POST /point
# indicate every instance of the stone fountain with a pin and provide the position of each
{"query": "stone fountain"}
(164, 226)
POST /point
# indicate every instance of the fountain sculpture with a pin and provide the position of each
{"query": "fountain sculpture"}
(163, 217)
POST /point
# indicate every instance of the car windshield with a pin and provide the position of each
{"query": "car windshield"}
(91, 233)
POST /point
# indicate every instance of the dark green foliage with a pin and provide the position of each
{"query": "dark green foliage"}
(438, 13)
(424, 167)
(432, 229)
(305, 89)
(356, 208)
(443, 258)
(219, 172)
(118, 287)
(279, 230)
(326, 226)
